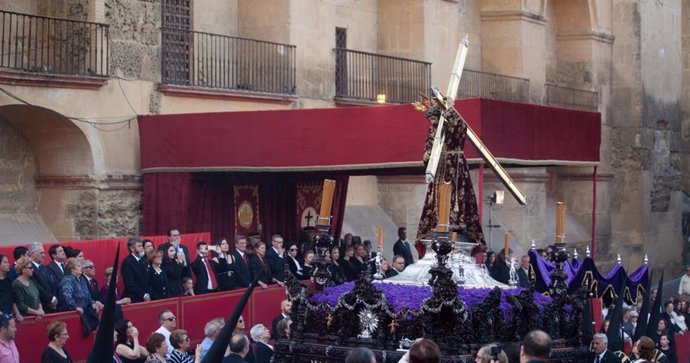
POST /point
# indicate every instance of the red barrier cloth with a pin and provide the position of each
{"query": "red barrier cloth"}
(192, 314)
(358, 138)
(683, 347)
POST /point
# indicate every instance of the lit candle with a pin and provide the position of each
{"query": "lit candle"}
(506, 244)
(560, 221)
(326, 202)
(379, 237)
(443, 207)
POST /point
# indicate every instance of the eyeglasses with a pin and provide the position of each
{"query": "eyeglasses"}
(172, 318)
(292, 249)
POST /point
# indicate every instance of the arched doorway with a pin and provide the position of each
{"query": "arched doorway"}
(46, 176)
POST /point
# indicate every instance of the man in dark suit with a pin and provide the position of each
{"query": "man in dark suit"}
(262, 351)
(600, 352)
(89, 276)
(205, 278)
(57, 257)
(523, 272)
(239, 347)
(43, 278)
(397, 267)
(243, 275)
(402, 247)
(285, 309)
(134, 273)
(174, 239)
(536, 347)
(274, 256)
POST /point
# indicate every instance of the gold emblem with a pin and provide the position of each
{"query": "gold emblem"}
(245, 214)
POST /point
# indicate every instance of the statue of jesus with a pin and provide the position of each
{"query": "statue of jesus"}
(464, 216)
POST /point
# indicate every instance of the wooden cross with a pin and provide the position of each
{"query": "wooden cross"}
(446, 102)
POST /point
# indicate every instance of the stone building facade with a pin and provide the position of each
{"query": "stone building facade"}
(69, 166)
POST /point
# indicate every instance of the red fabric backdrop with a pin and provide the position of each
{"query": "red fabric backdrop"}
(358, 138)
(204, 201)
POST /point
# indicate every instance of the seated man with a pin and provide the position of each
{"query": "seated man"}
(398, 266)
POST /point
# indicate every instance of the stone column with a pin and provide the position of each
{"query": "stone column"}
(513, 41)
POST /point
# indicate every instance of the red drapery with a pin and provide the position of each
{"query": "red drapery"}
(204, 201)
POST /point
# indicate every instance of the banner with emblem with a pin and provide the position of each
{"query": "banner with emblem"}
(246, 199)
(308, 204)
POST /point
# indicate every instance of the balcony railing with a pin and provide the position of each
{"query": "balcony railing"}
(364, 76)
(571, 97)
(493, 86)
(42, 44)
(199, 59)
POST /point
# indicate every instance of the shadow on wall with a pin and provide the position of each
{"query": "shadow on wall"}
(363, 220)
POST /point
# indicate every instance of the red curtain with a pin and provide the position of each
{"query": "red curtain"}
(204, 201)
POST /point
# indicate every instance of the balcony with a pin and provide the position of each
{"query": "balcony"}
(362, 76)
(571, 97)
(493, 86)
(52, 46)
(212, 61)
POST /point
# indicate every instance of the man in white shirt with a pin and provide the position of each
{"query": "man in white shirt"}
(168, 323)
(684, 286)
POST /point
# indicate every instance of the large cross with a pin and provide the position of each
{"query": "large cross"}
(446, 102)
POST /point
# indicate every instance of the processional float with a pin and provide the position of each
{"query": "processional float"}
(445, 296)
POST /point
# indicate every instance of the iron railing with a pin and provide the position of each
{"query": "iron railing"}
(43, 44)
(199, 59)
(364, 76)
(571, 97)
(493, 86)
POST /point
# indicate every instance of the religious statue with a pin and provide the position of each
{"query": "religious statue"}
(452, 168)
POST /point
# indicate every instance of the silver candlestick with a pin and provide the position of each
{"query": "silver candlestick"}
(513, 272)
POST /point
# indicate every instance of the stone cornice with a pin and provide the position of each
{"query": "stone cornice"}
(75, 182)
(33, 79)
(577, 176)
(512, 15)
(595, 35)
(214, 93)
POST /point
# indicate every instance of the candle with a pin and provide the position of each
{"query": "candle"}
(506, 244)
(379, 237)
(454, 237)
(443, 207)
(326, 202)
(560, 222)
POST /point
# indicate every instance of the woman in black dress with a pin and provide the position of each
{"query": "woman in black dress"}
(347, 265)
(260, 266)
(336, 270)
(223, 264)
(174, 265)
(292, 261)
(55, 351)
(127, 344)
(158, 280)
(307, 266)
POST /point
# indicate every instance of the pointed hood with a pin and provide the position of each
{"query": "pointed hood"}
(217, 350)
(642, 322)
(103, 344)
(614, 334)
(655, 314)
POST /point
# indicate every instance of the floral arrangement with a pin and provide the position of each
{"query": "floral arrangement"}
(410, 297)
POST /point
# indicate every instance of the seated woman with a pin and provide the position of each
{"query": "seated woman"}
(158, 348)
(106, 287)
(74, 293)
(179, 339)
(665, 347)
(55, 351)
(25, 290)
(158, 280)
(127, 344)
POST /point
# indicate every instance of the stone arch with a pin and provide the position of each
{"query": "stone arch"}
(45, 159)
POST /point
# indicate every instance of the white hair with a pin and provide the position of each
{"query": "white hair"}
(601, 336)
(256, 332)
